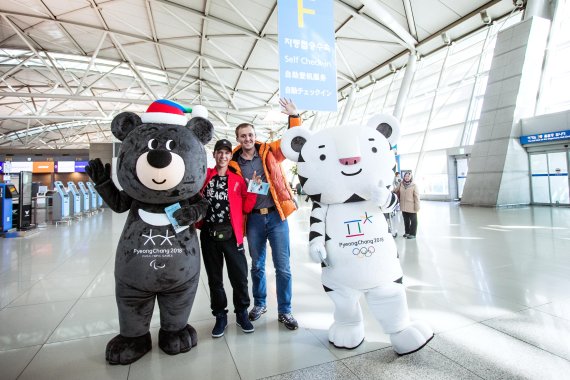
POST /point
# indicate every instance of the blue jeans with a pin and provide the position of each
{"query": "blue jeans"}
(261, 228)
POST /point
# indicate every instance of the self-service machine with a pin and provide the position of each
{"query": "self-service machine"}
(76, 208)
(60, 202)
(6, 197)
(92, 196)
(15, 194)
(86, 196)
(91, 187)
(41, 198)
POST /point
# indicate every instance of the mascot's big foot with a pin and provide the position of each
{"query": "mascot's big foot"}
(123, 350)
(177, 342)
(412, 338)
(343, 335)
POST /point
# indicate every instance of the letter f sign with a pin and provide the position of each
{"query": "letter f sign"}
(301, 12)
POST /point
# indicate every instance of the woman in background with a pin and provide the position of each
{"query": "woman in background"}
(409, 204)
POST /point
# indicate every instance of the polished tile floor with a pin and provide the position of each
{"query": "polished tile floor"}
(493, 283)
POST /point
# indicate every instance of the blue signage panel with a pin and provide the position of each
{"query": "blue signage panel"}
(80, 166)
(1, 167)
(544, 137)
(307, 67)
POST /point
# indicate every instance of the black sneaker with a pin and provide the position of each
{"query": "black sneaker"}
(256, 312)
(242, 321)
(288, 321)
(220, 326)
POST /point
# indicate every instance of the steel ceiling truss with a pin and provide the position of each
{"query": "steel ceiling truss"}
(80, 93)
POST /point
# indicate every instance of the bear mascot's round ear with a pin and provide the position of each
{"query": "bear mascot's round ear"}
(202, 128)
(293, 141)
(124, 123)
(388, 125)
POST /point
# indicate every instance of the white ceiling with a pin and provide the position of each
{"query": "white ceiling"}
(68, 66)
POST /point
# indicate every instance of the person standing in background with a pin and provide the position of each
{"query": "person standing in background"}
(268, 219)
(396, 181)
(409, 204)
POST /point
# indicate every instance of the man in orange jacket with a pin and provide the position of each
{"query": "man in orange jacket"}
(268, 220)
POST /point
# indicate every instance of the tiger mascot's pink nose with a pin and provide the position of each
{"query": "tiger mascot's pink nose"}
(349, 160)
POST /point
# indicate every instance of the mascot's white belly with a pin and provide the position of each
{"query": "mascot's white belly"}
(361, 252)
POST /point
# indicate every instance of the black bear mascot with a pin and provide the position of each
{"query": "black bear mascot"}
(161, 162)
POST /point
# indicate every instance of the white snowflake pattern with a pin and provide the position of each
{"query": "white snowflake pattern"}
(150, 237)
(167, 238)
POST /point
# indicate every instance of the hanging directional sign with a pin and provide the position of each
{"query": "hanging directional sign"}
(307, 67)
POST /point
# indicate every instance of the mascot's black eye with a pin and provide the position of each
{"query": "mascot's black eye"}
(374, 150)
(170, 144)
(152, 144)
(323, 157)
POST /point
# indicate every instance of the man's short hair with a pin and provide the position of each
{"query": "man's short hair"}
(243, 125)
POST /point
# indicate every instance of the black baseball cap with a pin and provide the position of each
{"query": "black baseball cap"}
(223, 144)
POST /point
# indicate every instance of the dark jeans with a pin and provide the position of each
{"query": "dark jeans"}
(214, 253)
(410, 222)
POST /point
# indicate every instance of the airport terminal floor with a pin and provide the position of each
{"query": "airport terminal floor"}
(493, 283)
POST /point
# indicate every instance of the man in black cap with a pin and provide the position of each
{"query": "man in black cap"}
(222, 237)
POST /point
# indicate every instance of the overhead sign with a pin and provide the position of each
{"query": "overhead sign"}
(307, 66)
(16, 167)
(80, 166)
(545, 137)
(42, 167)
(65, 166)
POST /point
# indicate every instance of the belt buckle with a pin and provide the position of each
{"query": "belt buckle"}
(264, 211)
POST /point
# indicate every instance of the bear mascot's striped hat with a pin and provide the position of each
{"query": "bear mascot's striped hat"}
(164, 111)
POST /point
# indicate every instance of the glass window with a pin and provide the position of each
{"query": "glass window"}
(443, 106)
(433, 177)
(408, 162)
(410, 143)
(443, 138)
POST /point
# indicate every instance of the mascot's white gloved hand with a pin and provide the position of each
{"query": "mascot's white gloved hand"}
(318, 252)
(380, 195)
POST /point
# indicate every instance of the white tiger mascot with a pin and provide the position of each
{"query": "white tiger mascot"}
(346, 171)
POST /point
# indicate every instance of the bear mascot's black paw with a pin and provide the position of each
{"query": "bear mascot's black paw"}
(123, 350)
(177, 342)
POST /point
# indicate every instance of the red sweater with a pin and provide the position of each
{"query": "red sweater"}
(241, 202)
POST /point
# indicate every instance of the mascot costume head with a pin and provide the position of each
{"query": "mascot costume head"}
(161, 166)
(346, 172)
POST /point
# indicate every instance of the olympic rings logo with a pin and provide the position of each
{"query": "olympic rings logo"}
(363, 251)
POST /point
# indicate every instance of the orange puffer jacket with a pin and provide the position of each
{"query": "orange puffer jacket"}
(271, 156)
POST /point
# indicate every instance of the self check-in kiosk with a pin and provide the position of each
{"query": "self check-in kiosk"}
(86, 196)
(60, 202)
(41, 198)
(6, 206)
(92, 196)
(75, 199)
(15, 194)
(91, 187)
